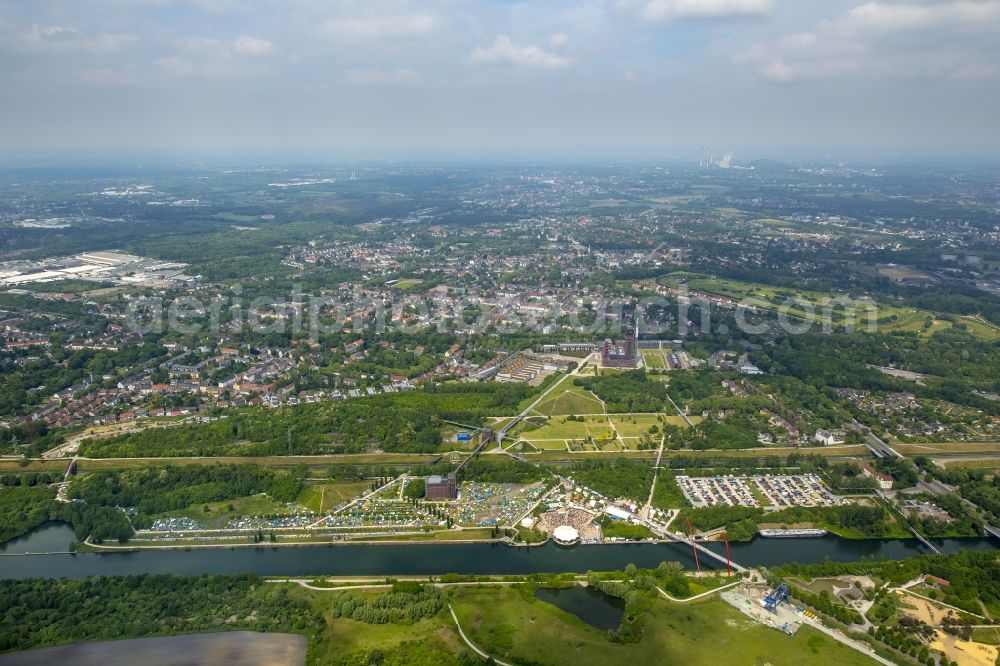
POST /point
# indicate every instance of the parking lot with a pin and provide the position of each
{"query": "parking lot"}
(780, 490)
(714, 491)
(795, 490)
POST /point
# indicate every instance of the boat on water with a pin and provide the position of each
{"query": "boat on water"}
(792, 534)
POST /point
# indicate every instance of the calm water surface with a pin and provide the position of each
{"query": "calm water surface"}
(431, 558)
(590, 605)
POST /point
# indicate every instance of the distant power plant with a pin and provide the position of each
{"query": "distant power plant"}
(707, 159)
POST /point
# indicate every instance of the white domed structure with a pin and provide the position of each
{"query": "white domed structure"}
(566, 535)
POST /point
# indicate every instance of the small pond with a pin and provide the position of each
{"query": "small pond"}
(590, 605)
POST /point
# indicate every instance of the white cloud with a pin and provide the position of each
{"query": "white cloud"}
(558, 40)
(252, 46)
(503, 52)
(204, 56)
(951, 38)
(62, 40)
(378, 27)
(656, 11)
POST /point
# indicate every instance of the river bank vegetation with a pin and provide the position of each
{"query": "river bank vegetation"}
(848, 520)
(507, 622)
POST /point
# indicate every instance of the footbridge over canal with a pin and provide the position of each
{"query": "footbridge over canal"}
(666, 534)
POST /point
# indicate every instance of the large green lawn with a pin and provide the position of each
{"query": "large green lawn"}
(570, 402)
(429, 642)
(793, 301)
(219, 513)
(635, 425)
(517, 628)
(321, 497)
(558, 428)
(567, 399)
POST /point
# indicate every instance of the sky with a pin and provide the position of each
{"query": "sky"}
(817, 80)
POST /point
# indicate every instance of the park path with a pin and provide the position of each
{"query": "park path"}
(696, 597)
(472, 645)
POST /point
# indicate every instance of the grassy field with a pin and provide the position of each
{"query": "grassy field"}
(636, 425)
(321, 497)
(810, 304)
(514, 627)
(988, 464)
(268, 461)
(13, 465)
(407, 284)
(987, 635)
(218, 513)
(781, 451)
(573, 400)
(559, 428)
(928, 448)
(654, 359)
(429, 642)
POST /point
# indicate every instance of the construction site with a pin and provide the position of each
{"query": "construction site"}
(766, 605)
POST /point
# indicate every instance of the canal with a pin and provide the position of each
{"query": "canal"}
(431, 559)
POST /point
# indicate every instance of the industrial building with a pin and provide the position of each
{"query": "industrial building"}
(441, 487)
(623, 356)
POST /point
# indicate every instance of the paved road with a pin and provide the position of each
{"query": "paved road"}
(697, 596)
(368, 584)
(472, 645)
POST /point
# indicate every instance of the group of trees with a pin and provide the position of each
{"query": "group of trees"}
(626, 478)
(404, 603)
(408, 422)
(741, 522)
(415, 489)
(975, 485)
(625, 392)
(972, 575)
(823, 604)
(30, 479)
(155, 490)
(698, 385)
(909, 636)
(737, 431)
(41, 612)
(502, 471)
(23, 508)
(842, 361)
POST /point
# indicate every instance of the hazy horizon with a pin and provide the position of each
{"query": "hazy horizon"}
(893, 81)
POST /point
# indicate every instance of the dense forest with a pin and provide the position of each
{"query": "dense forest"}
(625, 392)
(404, 603)
(39, 612)
(972, 575)
(408, 422)
(23, 508)
(974, 485)
(841, 361)
(154, 490)
(619, 478)
(741, 523)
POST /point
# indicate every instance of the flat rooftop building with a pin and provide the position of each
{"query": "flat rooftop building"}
(441, 487)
